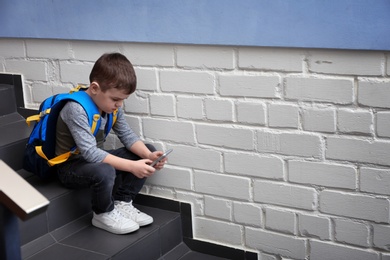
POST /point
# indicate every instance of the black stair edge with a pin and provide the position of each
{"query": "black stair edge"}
(26, 112)
(16, 81)
(186, 220)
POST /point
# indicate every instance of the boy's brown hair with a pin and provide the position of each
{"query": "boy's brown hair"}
(114, 70)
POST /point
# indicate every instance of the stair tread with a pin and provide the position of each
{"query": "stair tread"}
(81, 235)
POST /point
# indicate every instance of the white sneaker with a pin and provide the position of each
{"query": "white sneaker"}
(127, 209)
(114, 222)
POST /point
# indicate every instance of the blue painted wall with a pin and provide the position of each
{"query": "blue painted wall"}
(340, 24)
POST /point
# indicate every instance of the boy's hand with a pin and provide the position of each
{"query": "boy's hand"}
(154, 155)
(142, 169)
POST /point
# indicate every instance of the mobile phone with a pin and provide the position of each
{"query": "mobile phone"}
(161, 157)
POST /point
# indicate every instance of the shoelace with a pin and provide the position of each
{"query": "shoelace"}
(130, 208)
(116, 214)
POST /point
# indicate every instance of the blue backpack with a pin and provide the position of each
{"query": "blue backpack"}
(39, 156)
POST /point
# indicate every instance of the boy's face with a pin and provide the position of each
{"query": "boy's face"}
(107, 101)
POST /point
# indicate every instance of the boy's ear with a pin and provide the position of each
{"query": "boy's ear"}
(94, 87)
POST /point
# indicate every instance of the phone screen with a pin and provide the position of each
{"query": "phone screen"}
(161, 157)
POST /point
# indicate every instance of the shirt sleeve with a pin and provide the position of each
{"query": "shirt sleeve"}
(122, 129)
(75, 117)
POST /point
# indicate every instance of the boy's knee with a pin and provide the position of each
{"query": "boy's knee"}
(105, 173)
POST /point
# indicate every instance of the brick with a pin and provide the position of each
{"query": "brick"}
(282, 194)
(31, 70)
(383, 124)
(319, 120)
(381, 237)
(134, 123)
(136, 104)
(196, 201)
(172, 178)
(88, 51)
(375, 180)
(289, 144)
(76, 73)
(354, 206)
(284, 116)
(248, 214)
(63, 88)
(249, 86)
(385, 256)
(274, 243)
(194, 157)
(149, 54)
(250, 113)
(337, 91)
(40, 92)
(322, 174)
(12, 48)
(218, 208)
(346, 62)
(205, 57)
(162, 130)
(219, 110)
(374, 94)
(190, 107)
(146, 79)
(350, 232)
(274, 59)
(354, 121)
(187, 82)
(320, 250)
(264, 256)
(51, 49)
(221, 185)
(214, 230)
(162, 105)
(254, 165)
(280, 221)
(159, 192)
(314, 226)
(354, 150)
(221, 136)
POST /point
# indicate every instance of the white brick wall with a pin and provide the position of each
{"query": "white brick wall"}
(284, 152)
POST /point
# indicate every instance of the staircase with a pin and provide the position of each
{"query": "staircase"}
(64, 230)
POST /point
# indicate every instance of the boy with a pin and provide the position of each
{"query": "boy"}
(115, 176)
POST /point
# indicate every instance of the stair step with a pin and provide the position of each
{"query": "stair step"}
(64, 231)
(66, 227)
(80, 239)
(7, 99)
(13, 128)
(183, 252)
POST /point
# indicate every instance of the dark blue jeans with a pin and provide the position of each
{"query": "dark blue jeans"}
(107, 183)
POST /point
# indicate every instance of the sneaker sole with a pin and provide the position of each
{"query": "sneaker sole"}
(100, 225)
(145, 222)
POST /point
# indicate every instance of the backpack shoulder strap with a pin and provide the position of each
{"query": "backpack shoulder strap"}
(111, 119)
(89, 106)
